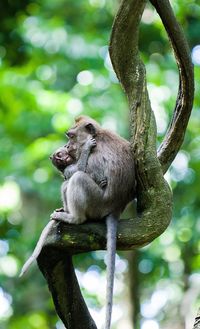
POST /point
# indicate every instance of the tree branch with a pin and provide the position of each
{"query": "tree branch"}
(131, 234)
(59, 273)
(176, 131)
(151, 186)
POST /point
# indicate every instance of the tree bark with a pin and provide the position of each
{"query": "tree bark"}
(58, 270)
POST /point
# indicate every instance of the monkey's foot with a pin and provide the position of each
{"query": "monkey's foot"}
(66, 218)
(62, 216)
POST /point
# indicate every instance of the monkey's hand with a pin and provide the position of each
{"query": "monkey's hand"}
(103, 183)
(91, 143)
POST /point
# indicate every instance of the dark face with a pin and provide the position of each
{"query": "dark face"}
(63, 157)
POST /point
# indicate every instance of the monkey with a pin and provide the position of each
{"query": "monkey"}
(65, 162)
(111, 158)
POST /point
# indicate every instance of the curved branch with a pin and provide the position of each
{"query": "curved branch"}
(59, 273)
(90, 236)
(176, 131)
(131, 73)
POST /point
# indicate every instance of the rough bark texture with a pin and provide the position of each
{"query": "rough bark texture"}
(154, 200)
(58, 270)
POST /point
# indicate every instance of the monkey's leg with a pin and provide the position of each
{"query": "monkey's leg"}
(84, 197)
(64, 195)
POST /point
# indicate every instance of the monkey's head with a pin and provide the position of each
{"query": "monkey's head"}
(78, 134)
(62, 157)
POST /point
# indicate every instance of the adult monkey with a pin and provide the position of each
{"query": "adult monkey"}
(112, 159)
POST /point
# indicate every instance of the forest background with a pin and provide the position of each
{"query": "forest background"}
(54, 65)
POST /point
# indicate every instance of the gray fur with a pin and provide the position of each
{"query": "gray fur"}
(111, 223)
(38, 247)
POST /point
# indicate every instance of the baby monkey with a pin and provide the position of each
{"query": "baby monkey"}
(64, 160)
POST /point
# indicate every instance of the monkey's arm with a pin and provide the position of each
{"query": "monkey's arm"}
(81, 164)
(86, 150)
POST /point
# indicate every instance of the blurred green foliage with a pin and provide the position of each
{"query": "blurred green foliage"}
(54, 65)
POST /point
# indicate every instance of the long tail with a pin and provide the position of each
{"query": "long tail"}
(111, 223)
(38, 247)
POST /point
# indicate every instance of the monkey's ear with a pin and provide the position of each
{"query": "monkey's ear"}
(91, 129)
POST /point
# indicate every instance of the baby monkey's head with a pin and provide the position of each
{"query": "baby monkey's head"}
(62, 157)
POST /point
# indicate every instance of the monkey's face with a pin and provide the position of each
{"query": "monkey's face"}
(61, 158)
(79, 134)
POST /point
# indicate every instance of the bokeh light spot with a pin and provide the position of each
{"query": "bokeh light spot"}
(40, 175)
(5, 302)
(8, 265)
(196, 55)
(9, 196)
(150, 324)
(74, 106)
(4, 247)
(85, 78)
